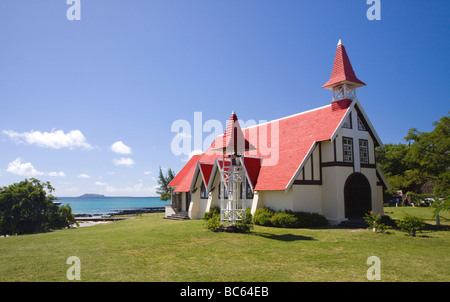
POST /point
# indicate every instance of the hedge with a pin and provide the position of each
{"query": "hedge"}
(288, 218)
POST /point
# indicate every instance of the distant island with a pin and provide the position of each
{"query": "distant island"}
(91, 196)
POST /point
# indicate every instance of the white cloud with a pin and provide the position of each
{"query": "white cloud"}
(58, 174)
(120, 148)
(83, 176)
(192, 153)
(22, 169)
(124, 161)
(98, 183)
(27, 169)
(56, 139)
(147, 172)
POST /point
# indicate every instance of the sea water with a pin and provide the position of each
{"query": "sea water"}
(108, 205)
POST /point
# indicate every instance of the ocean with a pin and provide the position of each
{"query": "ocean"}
(107, 205)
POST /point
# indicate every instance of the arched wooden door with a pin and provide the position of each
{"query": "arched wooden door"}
(357, 196)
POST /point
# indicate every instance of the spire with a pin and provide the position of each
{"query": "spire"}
(342, 70)
(233, 139)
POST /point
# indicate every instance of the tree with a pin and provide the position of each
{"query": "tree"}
(411, 224)
(441, 205)
(163, 182)
(429, 155)
(399, 172)
(426, 158)
(28, 207)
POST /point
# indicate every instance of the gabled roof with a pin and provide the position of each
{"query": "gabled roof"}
(252, 165)
(291, 140)
(296, 136)
(355, 103)
(184, 171)
(218, 164)
(187, 170)
(342, 70)
(284, 145)
(202, 169)
(205, 169)
(233, 140)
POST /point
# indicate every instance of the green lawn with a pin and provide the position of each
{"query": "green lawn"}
(149, 248)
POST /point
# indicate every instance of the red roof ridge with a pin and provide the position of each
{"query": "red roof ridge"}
(282, 118)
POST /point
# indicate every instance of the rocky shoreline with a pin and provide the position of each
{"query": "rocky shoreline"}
(126, 212)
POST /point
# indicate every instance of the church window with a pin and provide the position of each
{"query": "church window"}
(364, 151)
(347, 143)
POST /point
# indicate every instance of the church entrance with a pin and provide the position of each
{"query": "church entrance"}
(357, 196)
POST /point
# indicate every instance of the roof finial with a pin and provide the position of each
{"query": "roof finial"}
(233, 113)
(340, 42)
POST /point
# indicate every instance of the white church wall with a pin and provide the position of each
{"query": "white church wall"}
(307, 198)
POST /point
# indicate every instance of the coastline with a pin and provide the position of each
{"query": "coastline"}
(124, 212)
(85, 220)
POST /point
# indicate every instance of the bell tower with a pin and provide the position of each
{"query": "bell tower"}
(343, 81)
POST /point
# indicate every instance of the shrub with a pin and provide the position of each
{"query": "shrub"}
(242, 227)
(411, 224)
(248, 216)
(283, 220)
(309, 220)
(213, 224)
(212, 211)
(262, 216)
(374, 222)
(288, 219)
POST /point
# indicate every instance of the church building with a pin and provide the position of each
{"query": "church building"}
(319, 161)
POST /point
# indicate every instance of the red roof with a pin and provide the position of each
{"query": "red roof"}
(296, 135)
(282, 144)
(182, 174)
(274, 167)
(342, 70)
(206, 169)
(252, 166)
(233, 140)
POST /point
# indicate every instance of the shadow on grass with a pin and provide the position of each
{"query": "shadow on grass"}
(283, 237)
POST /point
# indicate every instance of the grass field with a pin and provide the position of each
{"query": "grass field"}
(149, 248)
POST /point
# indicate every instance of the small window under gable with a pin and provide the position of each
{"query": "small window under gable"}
(348, 122)
(203, 192)
(361, 125)
(247, 190)
(225, 193)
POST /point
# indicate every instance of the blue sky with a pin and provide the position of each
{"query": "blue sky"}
(88, 105)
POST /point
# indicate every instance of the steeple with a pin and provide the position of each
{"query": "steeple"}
(343, 80)
(233, 141)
